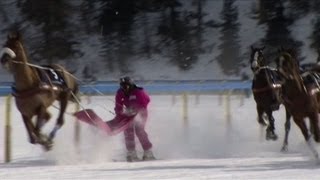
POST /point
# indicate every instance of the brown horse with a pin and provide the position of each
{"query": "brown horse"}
(266, 89)
(300, 96)
(36, 88)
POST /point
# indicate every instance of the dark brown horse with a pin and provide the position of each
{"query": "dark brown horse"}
(266, 89)
(36, 88)
(300, 96)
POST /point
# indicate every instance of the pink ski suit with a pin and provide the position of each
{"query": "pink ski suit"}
(137, 102)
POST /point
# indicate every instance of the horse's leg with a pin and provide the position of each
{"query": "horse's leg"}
(260, 112)
(63, 106)
(270, 130)
(303, 127)
(314, 119)
(287, 126)
(30, 128)
(42, 118)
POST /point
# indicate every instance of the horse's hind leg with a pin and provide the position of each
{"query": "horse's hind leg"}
(63, 106)
(303, 127)
(314, 119)
(287, 126)
(270, 130)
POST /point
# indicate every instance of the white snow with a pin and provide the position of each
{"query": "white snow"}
(204, 147)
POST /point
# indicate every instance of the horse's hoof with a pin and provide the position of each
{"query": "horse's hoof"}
(32, 141)
(47, 146)
(262, 123)
(284, 149)
(271, 136)
(43, 138)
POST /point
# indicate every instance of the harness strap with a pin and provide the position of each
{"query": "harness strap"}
(266, 88)
(32, 91)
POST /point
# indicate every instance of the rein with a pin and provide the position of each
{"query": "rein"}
(35, 90)
(44, 68)
(273, 86)
(27, 93)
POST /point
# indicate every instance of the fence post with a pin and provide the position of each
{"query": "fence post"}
(77, 126)
(227, 107)
(197, 98)
(7, 145)
(173, 99)
(185, 108)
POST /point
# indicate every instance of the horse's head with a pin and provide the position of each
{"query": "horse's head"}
(12, 50)
(257, 59)
(288, 66)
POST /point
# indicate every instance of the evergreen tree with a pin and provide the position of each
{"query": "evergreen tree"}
(278, 33)
(315, 36)
(229, 58)
(315, 6)
(177, 33)
(57, 40)
(117, 19)
(298, 8)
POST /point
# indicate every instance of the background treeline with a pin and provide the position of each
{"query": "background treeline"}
(109, 35)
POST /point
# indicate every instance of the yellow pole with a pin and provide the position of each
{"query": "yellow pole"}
(77, 127)
(197, 97)
(227, 108)
(7, 151)
(173, 99)
(185, 109)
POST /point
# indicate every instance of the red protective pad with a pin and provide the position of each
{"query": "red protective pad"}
(111, 127)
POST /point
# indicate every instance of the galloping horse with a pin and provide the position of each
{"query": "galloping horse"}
(36, 88)
(301, 96)
(266, 88)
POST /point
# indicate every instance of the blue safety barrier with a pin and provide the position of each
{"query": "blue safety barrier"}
(110, 87)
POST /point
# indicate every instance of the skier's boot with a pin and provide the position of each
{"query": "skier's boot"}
(148, 155)
(132, 156)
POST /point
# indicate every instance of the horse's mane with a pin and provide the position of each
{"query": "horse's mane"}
(17, 36)
(289, 55)
(292, 51)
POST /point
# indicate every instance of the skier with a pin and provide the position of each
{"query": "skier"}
(131, 102)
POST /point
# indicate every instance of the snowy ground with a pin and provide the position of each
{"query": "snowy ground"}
(207, 147)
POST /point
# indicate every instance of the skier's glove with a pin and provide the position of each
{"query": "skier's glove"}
(129, 112)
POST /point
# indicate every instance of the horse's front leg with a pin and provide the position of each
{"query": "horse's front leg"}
(42, 118)
(271, 129)
(287, 126)
(260, 112)
(30, 128)
(60, 121)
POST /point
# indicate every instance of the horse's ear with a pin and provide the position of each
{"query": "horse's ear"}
(263, 47)
(252, 48)
(281, 49)
(14, 35)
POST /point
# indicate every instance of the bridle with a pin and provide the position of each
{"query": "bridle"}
(257, 58)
